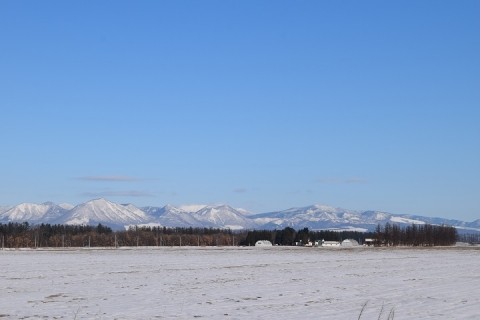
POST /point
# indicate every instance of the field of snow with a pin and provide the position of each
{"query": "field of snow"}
(240, 283)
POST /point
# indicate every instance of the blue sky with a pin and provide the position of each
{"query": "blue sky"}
(263, 105)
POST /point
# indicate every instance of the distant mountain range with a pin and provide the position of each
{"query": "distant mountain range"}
(120, 216)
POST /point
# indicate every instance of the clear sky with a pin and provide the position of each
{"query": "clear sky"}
(263, 105)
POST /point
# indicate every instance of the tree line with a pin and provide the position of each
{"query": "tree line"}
(415, 235)
(387, 235)
(24, 235)
(289, 236)
(471, 238)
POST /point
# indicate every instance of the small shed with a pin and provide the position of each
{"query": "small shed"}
(331, 244)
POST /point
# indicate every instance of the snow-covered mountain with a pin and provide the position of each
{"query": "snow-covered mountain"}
(224, 216)
(34, 213)
(200, 216)
(118, 216)
(170, 216)
(325, 217)
(313, 217)
(474, 224)
(105, 212)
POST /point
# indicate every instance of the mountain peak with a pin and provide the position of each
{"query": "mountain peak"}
(325, 207)
(224, 215)
(31, 212)
(99, 201)
(106, 212)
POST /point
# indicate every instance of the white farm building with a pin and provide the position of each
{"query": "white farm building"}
(349, 243)
(263, 243)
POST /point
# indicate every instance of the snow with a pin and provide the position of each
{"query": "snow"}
(245, 212)
(381, 215)
(31, 212)
(144, 225)
(223, 215)
(27, 211)
(104, 211)
(233, 227)
(406, 220)
(66, 206)
(4, 209)
(78, 221)
(348, 228)
(240, 283)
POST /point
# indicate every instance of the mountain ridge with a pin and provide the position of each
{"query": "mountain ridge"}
(120, 216)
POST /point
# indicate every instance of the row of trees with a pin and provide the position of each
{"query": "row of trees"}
(415, 235)
(289, 236)
(23, 235)
(387, 235)
(17, 235)
(471, 238)
(162, 236)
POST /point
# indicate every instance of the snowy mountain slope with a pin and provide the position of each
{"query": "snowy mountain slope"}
(137, 211)
(325, 217)
(314, 217)
(437, 221)
(34, 213)
(224, 216)
(4, 209)
(192, 208)
(66, 206)
(474, 224)
(170, 216)
(105, 212)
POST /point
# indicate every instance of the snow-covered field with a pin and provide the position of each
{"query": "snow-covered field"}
(240, 283)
